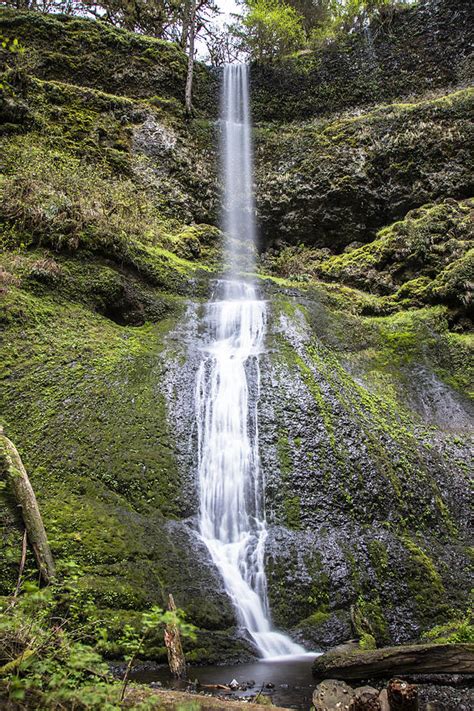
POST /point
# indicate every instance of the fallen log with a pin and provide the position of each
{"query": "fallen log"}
(391, 661)
(17, 478)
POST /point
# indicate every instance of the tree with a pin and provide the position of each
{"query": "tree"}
(269, 29)
(314, 13)
(189, 77)
(222, 45)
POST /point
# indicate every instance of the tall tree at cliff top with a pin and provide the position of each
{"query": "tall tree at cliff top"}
(269, 29)
(314, 13)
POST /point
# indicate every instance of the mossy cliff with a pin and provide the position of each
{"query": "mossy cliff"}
(404, 51)
(364, 448)
(109, 209)
(94, 54)
(332, 182)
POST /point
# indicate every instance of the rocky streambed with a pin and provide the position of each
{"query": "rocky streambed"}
(316, 681)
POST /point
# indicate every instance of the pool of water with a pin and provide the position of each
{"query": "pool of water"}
(287, 680)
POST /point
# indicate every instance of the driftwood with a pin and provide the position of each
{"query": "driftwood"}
(25, 498)
(176, 660)
(391, 661)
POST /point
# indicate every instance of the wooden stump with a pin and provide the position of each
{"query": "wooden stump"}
(402, 696)
(176, 659)
(383, 698)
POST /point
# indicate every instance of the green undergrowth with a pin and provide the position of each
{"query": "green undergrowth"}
(455, 631)
(51, 644)
(87, 170)
(424, 259)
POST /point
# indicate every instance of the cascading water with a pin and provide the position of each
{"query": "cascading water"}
(232, 519)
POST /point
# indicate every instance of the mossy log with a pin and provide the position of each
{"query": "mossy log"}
(389, 661)
(25, 498)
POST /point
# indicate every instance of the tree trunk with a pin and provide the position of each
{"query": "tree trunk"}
(185, 28)
(25, 498)
(389, 661)
(189, 77)
(176, 660)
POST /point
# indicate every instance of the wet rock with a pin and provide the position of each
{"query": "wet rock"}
(365, 698)
(234, 685)
(383, 699)
(332, 695)
(318, 565)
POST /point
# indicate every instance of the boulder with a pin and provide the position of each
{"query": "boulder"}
(365, 698)
(333, 695)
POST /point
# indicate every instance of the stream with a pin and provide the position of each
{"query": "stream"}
(288, 681)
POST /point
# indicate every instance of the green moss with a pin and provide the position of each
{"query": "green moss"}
(367, 641)
(292, 512)
(80, 400)
(95, 54)
(370, 622)
(317, 618)
(424, 582)
(422, 259)
(378, 556)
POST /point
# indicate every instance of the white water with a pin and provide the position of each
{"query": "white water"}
(232, 519)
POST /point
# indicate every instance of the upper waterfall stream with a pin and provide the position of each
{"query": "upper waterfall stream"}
(232, 513)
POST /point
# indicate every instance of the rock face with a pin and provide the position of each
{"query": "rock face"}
(332, 182)
(404, 52)
(356, 480)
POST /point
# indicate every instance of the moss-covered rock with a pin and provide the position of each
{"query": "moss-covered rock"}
(423, 259)
(331, 182)
(95, 54)
(403, 52)
(362, 427)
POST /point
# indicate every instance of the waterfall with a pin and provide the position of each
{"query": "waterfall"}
(232, 515)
